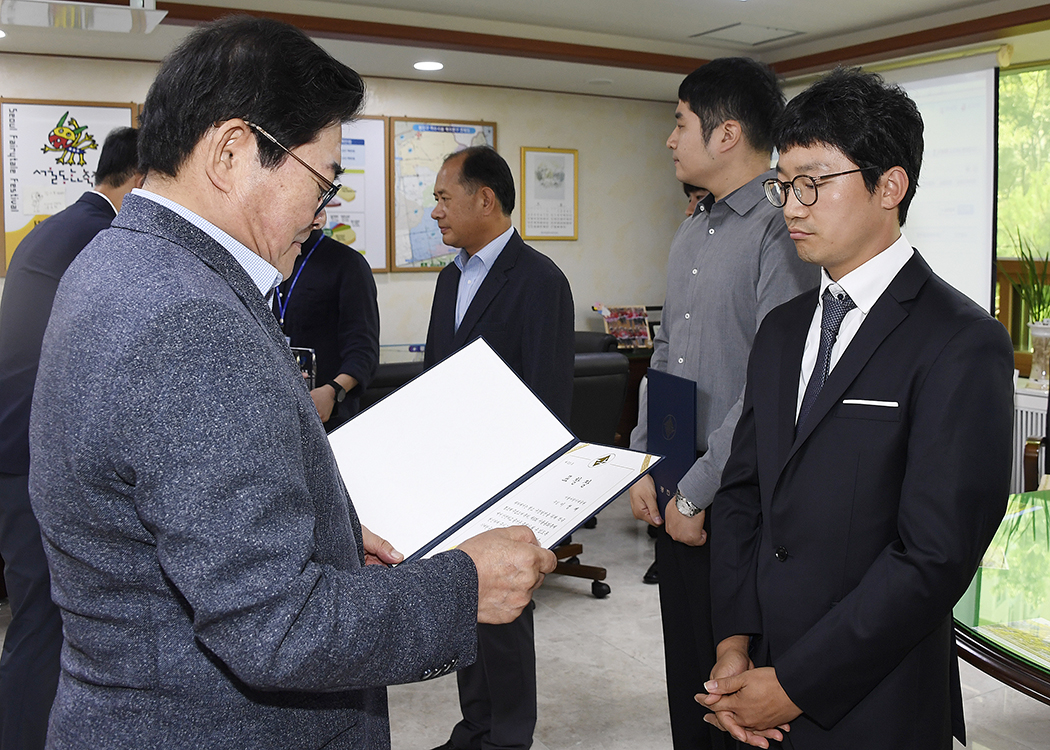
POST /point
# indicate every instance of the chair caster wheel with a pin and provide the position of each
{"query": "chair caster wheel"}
(600, 589)
(591, 522)
(572, 560)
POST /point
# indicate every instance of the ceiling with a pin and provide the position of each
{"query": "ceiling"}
(625, 48)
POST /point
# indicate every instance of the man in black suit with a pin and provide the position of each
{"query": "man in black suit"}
(519, 301)
(29, 665)
(328, 304)
(871, 464)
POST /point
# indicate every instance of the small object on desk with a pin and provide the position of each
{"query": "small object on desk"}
(630, 325)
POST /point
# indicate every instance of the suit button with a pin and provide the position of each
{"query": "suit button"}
(782, 553)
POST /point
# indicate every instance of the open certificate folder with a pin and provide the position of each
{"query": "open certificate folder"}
(466, 447)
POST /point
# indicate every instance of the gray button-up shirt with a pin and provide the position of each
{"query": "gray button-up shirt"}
(731, 262)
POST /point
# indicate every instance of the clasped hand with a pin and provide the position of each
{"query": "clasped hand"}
(748, 703)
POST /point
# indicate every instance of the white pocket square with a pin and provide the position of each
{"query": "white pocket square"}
(866, 402)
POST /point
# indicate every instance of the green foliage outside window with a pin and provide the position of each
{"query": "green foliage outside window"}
(1024, 161)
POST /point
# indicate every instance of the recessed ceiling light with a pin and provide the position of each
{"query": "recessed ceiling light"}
(428, 65)
(2, 34)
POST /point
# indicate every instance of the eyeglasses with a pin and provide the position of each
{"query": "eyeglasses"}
(330, 188)
(804, 187)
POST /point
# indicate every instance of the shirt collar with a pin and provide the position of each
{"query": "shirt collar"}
(105, 198)
(262, 274)
(748, 195)
(866, 283)
(488, 254)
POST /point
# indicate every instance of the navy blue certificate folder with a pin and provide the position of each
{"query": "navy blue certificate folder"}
(672, 431)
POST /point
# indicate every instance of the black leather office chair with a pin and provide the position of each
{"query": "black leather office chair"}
(599, 386)
(595, 341)
(389, 377)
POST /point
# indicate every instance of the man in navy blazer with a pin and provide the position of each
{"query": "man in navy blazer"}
(29, 666)
(871, 464)
(501, 289)
(212, 573)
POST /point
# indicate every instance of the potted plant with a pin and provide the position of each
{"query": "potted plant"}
(1032, 284)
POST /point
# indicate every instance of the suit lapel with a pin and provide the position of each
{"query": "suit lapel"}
(886, 314)
(794, 342)
(490, 287)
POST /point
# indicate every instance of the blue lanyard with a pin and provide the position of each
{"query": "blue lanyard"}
(282, 305)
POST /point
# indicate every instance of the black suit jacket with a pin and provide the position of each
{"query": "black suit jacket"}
(524, 311)
(845, 547)
(41, 258)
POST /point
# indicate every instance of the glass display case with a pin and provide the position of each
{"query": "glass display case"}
(1002, 622)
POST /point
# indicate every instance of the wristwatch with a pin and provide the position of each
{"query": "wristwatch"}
(685, 507)
(340, 392)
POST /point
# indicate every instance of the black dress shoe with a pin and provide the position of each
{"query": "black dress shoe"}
(447, 746)
(652, 575)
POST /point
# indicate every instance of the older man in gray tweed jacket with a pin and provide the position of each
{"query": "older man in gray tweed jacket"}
(210, 568)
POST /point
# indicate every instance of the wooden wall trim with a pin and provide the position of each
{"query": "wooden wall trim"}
(999, 26)
(995, 27)
(463, 41)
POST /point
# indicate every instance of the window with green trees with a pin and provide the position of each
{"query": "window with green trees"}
(1023, 197)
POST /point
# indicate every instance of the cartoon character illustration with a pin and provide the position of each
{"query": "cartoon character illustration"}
(70, 140)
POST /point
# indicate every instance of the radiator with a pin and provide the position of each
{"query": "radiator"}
(1029, 421)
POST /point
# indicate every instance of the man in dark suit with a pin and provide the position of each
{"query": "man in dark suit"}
(29, 666)
(329, 305)
(519, 301)
(871, 464)
(212, 573)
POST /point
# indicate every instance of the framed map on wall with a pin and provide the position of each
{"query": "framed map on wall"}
(50, 153)
(417, 149)
(358, 216)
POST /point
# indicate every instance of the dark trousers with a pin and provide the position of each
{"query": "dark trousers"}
(29, 665)
(497, 693)
(689, 647)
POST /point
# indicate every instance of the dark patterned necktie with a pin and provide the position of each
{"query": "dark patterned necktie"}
(835, 309)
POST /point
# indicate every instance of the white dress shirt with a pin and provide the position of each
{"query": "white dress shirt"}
(864, 285)
(473, 269)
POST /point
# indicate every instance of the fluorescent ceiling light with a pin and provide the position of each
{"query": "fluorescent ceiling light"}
(428, 65)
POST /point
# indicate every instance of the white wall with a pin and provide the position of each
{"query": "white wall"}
(629, 201)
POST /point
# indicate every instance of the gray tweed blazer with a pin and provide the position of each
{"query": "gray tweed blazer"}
(203, 549)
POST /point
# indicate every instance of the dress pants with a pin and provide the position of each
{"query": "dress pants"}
(497, 694)
(29, 665)
(689, 647)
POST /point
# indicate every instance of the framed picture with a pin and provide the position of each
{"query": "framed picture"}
(549, 193)
(50, 153)
(417, 150)
(359, 215)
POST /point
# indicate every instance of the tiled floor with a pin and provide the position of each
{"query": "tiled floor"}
(600, 667)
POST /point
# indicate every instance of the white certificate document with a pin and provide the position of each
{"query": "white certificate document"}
(556, 501)
(431, 456)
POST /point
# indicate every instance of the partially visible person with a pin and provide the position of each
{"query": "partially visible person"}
(213, 576)
(29, 665)
(695, 195)
(730, 263)
(328, 304)
(516, 298)
(871, 464)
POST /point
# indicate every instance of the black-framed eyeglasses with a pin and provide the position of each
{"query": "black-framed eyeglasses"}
(804, 187)
(330, 188)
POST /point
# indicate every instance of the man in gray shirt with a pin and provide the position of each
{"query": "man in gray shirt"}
(731, 262)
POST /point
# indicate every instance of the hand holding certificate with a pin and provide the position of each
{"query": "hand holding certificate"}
(428, 471)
